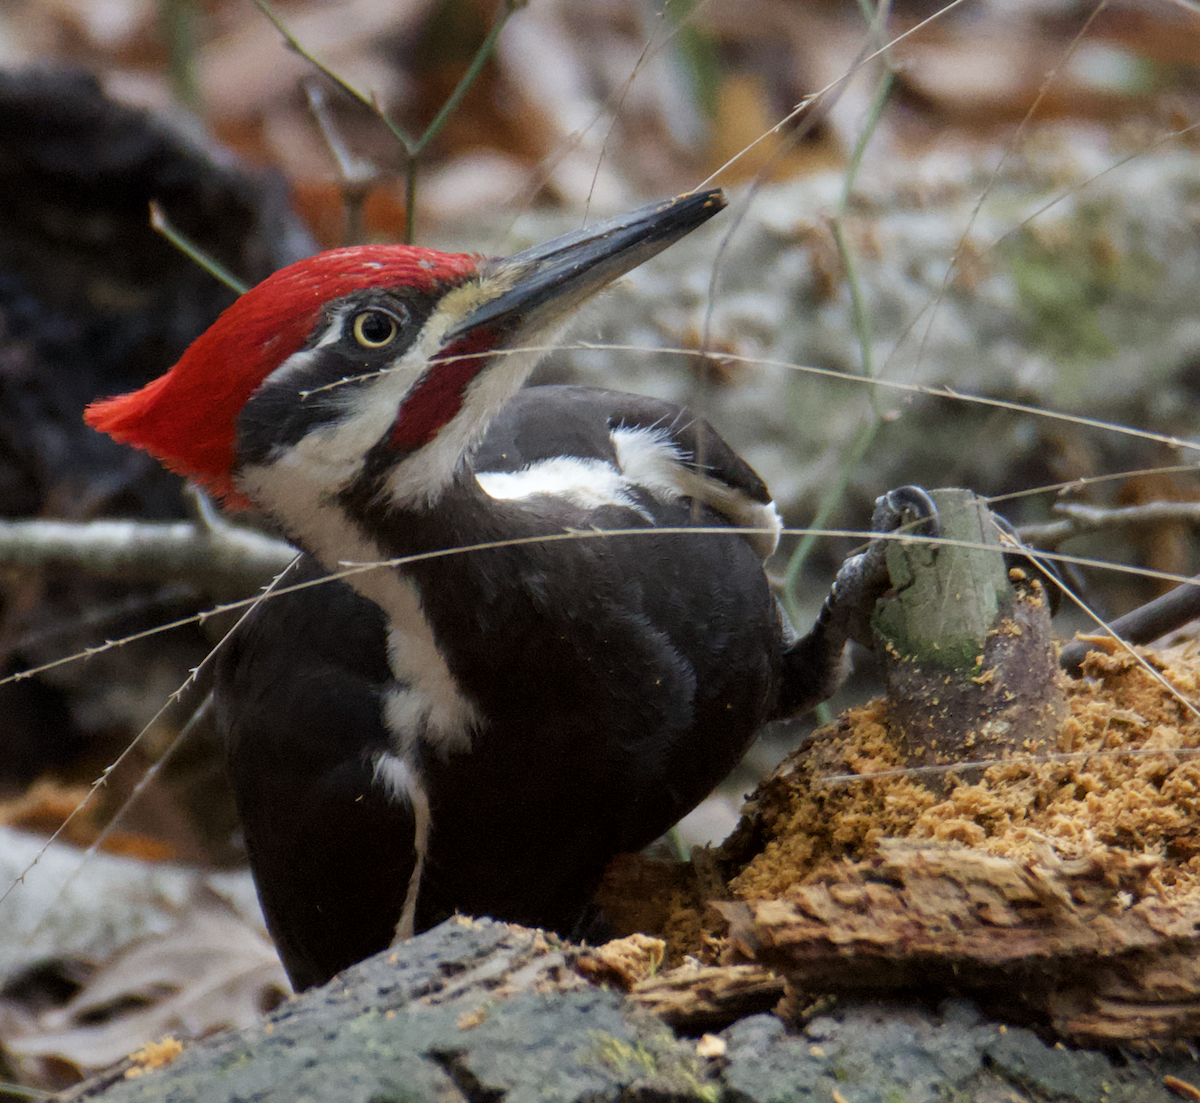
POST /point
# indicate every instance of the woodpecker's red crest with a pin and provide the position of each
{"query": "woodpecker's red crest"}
(221, 418)
(187, 418)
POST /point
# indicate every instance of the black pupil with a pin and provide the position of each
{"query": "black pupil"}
(376, 328)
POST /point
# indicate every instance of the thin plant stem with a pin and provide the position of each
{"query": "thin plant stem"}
(190, 249)
(413, 147)
(413, 150)
(368, 102)
(863, 439)
(179, 28)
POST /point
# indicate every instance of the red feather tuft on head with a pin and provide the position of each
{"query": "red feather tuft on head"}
(187, 418)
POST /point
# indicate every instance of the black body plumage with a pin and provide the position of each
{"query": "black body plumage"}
(619, 678)
(569, 638)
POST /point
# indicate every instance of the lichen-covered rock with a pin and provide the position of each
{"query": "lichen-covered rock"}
(482, 1011)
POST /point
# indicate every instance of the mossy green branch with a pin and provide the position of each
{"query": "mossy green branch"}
(948, 596)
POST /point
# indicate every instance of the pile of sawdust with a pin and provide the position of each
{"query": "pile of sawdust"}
(644, 896)
(1061, 885)
(1124, 781)
(1126, 777)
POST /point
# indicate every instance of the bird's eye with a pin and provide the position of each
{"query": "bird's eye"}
(373, 329)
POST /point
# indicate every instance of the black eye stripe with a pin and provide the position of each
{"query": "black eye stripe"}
(272, 420)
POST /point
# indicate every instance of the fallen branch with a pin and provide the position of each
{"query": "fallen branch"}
(1088, 943)
(203, 553)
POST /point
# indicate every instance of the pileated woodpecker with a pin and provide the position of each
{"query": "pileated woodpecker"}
(479, 730)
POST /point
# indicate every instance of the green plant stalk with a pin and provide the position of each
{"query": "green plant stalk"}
(413, 150)
(413, 147)
(863, 439)
(190, 249)
(179, 29)
(294, 45)
(468, 78)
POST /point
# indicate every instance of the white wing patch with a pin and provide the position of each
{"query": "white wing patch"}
(648, 460)
(589, 484)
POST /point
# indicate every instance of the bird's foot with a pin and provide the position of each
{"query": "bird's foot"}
(812, 665)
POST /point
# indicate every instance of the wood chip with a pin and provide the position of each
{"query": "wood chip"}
(708, 997)
(1181, 1087)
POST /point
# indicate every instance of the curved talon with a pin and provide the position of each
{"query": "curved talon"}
(905, 507)
(812, 664)
(1021, 557)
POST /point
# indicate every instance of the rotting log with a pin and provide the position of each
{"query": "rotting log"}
(1085, 945)
(1092, 940)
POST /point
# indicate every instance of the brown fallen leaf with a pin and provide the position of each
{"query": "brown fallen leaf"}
(213, 971)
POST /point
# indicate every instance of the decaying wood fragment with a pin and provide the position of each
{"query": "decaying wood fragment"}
(695, 998)
(971, 665)
(1048, 866)
(622, 962)
(1087, 944)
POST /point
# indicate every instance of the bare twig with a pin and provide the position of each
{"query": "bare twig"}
(413, 147)
(1145, 624)
(147, 550)
(210, 264)
(1080, 518)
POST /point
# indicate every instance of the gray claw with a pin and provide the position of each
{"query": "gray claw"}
(812, 664)
(905, 507)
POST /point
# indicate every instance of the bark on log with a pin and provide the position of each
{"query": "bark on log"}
(1086, 945)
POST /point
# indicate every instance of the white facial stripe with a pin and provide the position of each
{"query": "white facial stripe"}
(336, 328)
(295, 480)
(421, 479)
(648, 459)
(370, 413)
(403, 786)
(329, 458)
(298, 361)
(333, 453)
(435, 706)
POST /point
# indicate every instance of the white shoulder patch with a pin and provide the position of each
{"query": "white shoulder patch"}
(650, 458)
(647, 460)
(589, 484)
